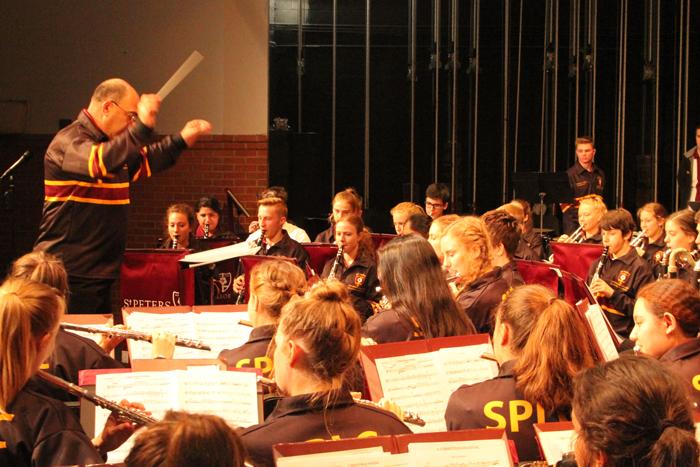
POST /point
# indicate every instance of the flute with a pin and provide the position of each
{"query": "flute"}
(135, 335)
(124, 413)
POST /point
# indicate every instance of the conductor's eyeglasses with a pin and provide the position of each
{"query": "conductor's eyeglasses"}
(132, 115)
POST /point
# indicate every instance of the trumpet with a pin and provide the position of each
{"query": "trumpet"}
(638, 239)
(679, 258)
(336, 263)
(135, 335)
(577, 237)
(133, 416)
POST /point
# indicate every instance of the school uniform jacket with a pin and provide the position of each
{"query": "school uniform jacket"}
(626, 275)
(298, 419)
(361, 281)
(654, 253)
(41, 431)
(252, 354)
(684, 360)
(491, 404)
(289, 248)
(480, 298)
(391, 326)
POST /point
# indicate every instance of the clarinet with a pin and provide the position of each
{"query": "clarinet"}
(174, 247)
(601, 261)
(135, 335)
(134, 416)
(336, 263)
(206, 230)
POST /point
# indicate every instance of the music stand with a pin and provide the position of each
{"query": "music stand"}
(536, 186)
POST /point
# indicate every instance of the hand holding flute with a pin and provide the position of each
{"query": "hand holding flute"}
(136, 335)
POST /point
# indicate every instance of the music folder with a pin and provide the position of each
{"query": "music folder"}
(555, 439)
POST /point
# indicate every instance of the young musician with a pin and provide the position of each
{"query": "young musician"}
(209, 215)
(317, 341)
(297, 233)
(504, 232)
(532, 239)
(418, 224)
(357, 268)
(344, 202)
(36, 430)
(71, 352)
(534, 380)
(421, 304)
(272, 285)
(590, 213)
(437, 200)
(185, 439)
(437, 230)
(652, 217)
(621, 274)
(400, 214)
(632, 412)
(480, 286)
(666, 326)
(680, 235)
(180, 225)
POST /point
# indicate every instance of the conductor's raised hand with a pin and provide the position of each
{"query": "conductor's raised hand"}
(148, 108)
(193, 130)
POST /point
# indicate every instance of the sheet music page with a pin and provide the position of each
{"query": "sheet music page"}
(464, 365)
(231, 395)
(416, 382)
(180, 324)
(595, 317)
(156, 390)
(555, 444)
(476, 453)
(220, 330)
(220, 254)
(372, 456)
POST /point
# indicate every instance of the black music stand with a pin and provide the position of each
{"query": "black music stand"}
(536, 186)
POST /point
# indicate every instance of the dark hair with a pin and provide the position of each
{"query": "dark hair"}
(184, 439)
(634, 412)
(657, 208)
(420, 224)
(524, 204)
(413, 282)
(208, 202)
(274, 192)
(438, 191)
(503, 229)
(584, 140)
(685, 219)
(619, 219)
(366, 244)
(677, 297)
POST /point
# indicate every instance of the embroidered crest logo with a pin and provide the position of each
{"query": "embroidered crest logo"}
(658, 256)
(360, 279)
(223, 282)
(622, 277)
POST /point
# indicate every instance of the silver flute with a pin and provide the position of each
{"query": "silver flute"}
(135, 335)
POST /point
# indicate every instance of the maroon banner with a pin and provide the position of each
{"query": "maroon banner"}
(154, 278)
(538, 272)
(576, 258)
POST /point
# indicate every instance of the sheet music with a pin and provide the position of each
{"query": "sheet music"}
(476, 453)
(555, 444)
(464, 365)
(595, 317)
(221, 254)
(372, 456)
(416, 382)
(220, 330)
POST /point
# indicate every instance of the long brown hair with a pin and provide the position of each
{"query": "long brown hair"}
(414, 284)
(28, 311)
(349, 196)
(366, 245)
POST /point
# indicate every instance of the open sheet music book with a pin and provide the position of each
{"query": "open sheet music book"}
(231, 395)
(605, 338)
(219, 330)
(555, 440)
(220, 254)
(456, 448)
(421, 375)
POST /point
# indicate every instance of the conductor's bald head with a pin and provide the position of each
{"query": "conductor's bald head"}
(113, 106)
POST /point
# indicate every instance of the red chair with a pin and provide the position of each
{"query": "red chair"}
(319, 254)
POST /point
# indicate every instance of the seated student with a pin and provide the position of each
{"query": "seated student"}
(590, 213)
(622, 274)
(317, 341)
(631, 412)
(437, 230)
(272, 214)
(209, 216)
(480, 287)
(357, 268)
(666, 326)
(36, 430)
(296, 233)
(400, 214)
(272, 285)
(532, 239)
(680, 235)
(523, 250)
(344, 202)
(540, 343)
(420, 303)
(418, 224)
(504, 232)
(179, 225)
(184, 439)
(437, 200)
(71, 352)
(652, 218)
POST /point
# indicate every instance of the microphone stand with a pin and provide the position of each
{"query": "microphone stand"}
(8, 195)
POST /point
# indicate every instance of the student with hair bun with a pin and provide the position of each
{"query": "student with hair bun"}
(273, 284)
(666, 326)
(540, 343)
(317, 342)
(631, 412)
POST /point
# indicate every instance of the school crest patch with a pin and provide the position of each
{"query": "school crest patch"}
(360, 279)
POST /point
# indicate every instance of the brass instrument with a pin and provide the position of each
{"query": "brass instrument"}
(336, 263)
(638, 239)
(206, 230)
(601, 262)
(679, 258)
(133, 416)
(135, 335)
(577, 237)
